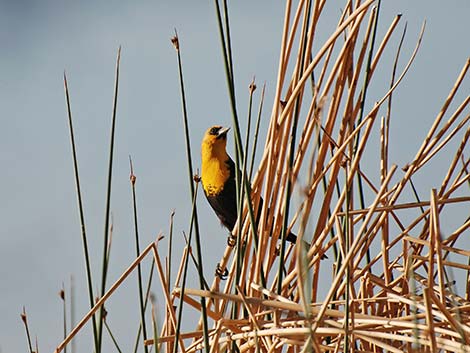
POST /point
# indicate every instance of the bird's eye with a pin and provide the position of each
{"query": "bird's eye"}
(214, 130)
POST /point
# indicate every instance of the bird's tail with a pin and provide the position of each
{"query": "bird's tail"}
(291, 238)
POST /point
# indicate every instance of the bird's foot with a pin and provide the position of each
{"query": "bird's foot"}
(220, 272)
(231, 240)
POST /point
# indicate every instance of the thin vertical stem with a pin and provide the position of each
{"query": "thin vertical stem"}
(147, 296)
(81, 213)
(255, 138)
(72, 310)
(24, 318)
(363, 100)
(170, 248)
(104, 271)
(111, 335)
(185, 271)
(292, 144)
(176, 44)
(64, 313)
(137, 249)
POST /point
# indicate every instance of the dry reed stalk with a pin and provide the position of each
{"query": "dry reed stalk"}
(453, 165)
(103, 299)
(170, 310)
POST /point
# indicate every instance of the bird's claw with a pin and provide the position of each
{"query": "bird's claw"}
(222, 273)
(231, 240)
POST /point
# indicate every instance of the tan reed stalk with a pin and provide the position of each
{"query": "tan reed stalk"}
(431, 132)
(451, 134)
(169, 304)
(351, 252)
(167, 325)
(102, 300)
(455, 161)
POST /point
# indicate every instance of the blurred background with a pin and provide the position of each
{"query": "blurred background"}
(41, 247)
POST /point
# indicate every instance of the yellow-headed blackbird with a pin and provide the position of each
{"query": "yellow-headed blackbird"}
(218, 177)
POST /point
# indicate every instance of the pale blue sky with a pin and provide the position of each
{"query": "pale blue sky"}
(39, 229)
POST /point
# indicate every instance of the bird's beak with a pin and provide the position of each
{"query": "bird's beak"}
(223, 132)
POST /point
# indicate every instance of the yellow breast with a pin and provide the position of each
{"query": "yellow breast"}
(214, 174)
(214, 169)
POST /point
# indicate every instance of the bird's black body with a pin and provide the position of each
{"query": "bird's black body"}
(225, 203)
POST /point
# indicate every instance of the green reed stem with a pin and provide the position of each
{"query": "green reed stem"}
(137, 248)
(64, 314)
(170, 249)
(155, 328)
(104, 270)
(361, 113)
(108, 329)
(227, 55)
(185, 271)
(240, 200)
(147, 295)
(255, 138)
(72, 310)
(81, 214)
(24, 318)
(175, 41)
(194, 260)
(289, 186)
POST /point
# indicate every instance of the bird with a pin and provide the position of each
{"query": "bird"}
(218, 178)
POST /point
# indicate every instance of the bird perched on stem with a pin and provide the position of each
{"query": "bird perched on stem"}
(218, 178)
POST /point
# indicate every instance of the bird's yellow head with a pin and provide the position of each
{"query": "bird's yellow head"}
(214, 143)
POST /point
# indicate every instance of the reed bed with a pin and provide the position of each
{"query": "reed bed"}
(388, 283)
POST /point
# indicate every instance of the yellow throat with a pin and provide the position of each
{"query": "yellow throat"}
(214, 169)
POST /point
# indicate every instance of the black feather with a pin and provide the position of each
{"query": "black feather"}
(224, 204)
